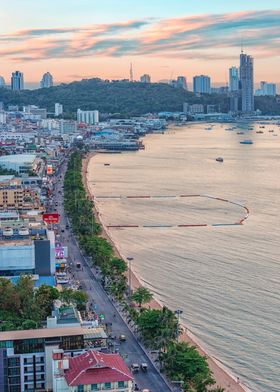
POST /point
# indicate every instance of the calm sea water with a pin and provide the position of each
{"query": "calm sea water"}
(226, 278)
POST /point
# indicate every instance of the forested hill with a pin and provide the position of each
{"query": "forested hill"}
(109, 97)
(121, 97)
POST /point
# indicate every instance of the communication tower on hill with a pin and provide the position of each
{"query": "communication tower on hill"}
(131, 73)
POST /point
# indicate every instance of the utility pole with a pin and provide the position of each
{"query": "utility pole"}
(178, 312)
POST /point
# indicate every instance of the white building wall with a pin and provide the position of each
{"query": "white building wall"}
(17, 257)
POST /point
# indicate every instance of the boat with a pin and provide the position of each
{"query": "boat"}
(271, 130)
(262, 126)
(247, 141)
(220, 159)
(259, 132)
(106, 164)
(240, 133)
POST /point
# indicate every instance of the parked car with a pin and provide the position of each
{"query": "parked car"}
(122, 338)
(135, 367)
(144, 367)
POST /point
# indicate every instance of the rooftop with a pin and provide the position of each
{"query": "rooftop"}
(92, 333)
(93, 367)
(18, 158)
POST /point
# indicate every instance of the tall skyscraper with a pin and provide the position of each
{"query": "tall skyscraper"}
(182, 82)
(47, 80)
(2, 82)
(246, 74)
(202, 84)
(17, 82)
(233, 79)
(145, 78)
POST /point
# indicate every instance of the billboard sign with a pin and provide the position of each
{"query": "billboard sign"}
(51, 218)
(49, 169)
(61, 252)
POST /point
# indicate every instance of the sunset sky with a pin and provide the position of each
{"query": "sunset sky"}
(76, 39)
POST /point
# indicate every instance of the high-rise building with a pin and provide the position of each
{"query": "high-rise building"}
(201, 84)
(246, 74)
(145, 78)
(266, 88)
(2, 82)
(233, 79)
(58, 109)
(89, 117)
(47, 80)
(17, 82)
(182, 82)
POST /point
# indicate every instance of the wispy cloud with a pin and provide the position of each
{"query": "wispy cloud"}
(210, 37)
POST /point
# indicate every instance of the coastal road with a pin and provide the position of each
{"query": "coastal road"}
(131, 350)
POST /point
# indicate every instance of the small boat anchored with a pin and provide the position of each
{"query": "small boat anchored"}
(247, 141)
(220, 159)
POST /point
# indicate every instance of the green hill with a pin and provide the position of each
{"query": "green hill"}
(121, 97)
(110, 97)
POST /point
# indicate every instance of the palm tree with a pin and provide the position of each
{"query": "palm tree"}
(141, 296)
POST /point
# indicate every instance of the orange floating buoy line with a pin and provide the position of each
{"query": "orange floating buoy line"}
(158, 226)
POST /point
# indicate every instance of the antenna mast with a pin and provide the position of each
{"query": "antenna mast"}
(131, 73)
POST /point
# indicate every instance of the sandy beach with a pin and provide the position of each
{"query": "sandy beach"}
(224, 378)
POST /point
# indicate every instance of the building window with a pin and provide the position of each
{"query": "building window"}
(80, 388)
(13, 362)
(121, 384)
(94, 387)
(107, 385)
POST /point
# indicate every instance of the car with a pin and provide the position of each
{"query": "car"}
(145, 390)
(122, 338)
(134, 367)
(144, 367)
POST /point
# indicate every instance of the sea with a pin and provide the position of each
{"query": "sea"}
(223, 276)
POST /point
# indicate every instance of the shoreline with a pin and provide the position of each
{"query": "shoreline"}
(223, 376)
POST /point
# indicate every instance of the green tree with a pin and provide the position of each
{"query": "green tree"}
(183, 362)
(9, 298)
(44, 297)
(75, 297)
(25, 290)
(142, 296)
(29, 324)
(158, 327)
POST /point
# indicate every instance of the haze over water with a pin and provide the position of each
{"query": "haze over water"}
(225, 279)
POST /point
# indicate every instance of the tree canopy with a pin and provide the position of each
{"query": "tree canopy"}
(22, 306)
(142, 296)
(111, 97)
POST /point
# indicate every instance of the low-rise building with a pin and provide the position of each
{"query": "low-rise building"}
(90, 371)
(26, 356)
(25, 250)
(21, 163)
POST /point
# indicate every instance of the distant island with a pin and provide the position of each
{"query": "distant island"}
(123, 98)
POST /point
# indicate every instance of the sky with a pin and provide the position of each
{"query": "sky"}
(75, 39)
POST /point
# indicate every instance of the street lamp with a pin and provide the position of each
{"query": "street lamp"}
(129, 259)
(178, 312)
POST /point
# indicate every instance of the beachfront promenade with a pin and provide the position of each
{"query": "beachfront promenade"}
(131, 350)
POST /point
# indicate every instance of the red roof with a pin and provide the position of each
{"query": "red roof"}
(94, 367)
